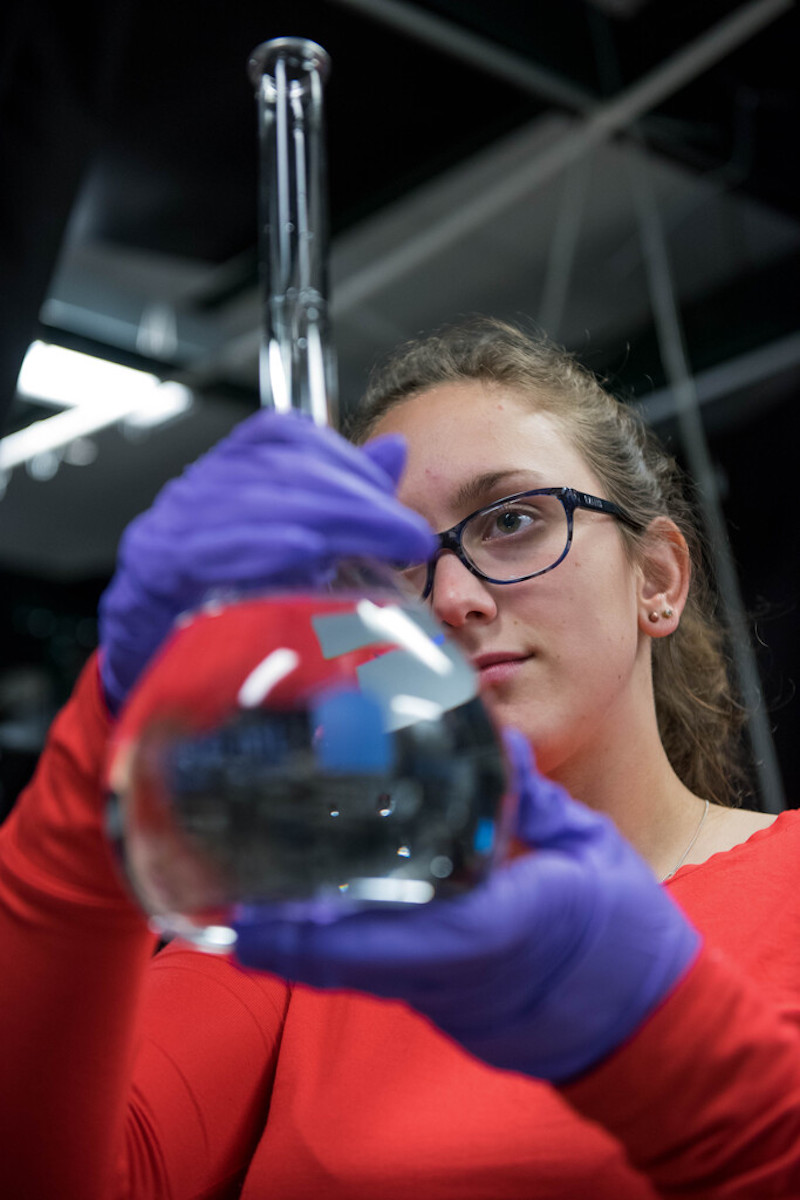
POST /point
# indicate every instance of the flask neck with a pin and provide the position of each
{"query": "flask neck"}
(297, 364)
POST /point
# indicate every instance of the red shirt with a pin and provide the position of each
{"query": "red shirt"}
(200, 1080)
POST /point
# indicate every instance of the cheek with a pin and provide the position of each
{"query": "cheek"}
(591, 615)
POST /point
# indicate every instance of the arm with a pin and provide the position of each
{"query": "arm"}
(706, 1096)
(74, 953)
(112, 1068)
(571, 963)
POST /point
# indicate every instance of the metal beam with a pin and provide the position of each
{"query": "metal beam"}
(564, 246)
(733, 375)
(673, 354)
(457, 42)
(598, 125)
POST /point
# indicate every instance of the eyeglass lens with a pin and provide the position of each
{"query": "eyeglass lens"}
(513, 540)
(519, 537)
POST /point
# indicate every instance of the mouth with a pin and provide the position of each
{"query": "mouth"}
(495, 669)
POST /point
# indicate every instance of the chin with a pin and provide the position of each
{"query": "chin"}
(549, 756)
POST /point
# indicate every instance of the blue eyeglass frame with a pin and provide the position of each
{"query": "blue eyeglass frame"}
(450, 539)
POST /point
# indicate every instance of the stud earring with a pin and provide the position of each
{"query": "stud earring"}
(666, 612)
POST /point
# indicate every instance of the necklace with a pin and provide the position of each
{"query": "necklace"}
(685, 854)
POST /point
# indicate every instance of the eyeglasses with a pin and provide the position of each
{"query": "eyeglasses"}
(515, 538)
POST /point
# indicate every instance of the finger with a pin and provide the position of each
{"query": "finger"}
(373, 524)
(293, 474)
(547, 816)
(321, 945)
(389, 453)
(287, 432)
(288, 468)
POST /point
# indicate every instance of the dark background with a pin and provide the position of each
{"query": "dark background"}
(128, 151)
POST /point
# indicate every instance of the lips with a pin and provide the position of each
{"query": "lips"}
(494, 669)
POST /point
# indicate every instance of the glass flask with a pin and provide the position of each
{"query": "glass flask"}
(326, 749)
(329, 750)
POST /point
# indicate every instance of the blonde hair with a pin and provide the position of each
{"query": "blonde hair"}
(699, 716)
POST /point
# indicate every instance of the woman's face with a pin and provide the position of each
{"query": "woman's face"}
(559, 656)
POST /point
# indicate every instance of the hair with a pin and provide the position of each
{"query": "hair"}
(700, 718)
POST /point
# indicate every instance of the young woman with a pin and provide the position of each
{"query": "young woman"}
(613, 656)
(559, 1031)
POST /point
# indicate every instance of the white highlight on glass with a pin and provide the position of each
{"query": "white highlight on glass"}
(388, 890)
(416, 707)
(214, 939)
(394, 625)
(276, 372)
(263, 678)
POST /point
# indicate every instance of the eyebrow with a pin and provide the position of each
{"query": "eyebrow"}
(471, 493)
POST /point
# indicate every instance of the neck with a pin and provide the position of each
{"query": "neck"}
(629, 777)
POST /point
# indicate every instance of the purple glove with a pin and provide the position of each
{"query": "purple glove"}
(545, 968)
(275, 504)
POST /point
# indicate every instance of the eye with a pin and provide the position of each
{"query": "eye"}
(515, 520)
(511, 521)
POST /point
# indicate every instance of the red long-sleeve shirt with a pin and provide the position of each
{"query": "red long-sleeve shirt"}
(186, 1077)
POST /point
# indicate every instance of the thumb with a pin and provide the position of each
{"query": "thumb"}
(547, 816)
(389, 453)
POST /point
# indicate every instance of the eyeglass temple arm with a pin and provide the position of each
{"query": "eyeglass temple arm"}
(595, 504)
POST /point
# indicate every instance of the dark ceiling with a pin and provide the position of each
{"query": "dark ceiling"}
(483, 157)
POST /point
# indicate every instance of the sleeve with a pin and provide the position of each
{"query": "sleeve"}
(706, 1095)
(123, 1074)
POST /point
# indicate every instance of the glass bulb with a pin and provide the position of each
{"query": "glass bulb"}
(329, 749)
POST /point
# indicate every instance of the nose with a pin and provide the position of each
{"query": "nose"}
(458, 596)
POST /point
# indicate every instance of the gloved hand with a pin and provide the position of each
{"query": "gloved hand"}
(275, 504)
(545, 968)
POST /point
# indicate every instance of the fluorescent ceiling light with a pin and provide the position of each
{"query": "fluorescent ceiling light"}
(94, 394)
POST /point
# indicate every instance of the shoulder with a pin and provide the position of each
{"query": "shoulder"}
(745, 852)
(745, 900)
(779, 826)
(739, 836)
(729, 827)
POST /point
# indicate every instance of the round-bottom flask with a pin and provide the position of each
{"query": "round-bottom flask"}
(329, 750)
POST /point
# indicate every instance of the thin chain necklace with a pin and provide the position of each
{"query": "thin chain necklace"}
(685, 854)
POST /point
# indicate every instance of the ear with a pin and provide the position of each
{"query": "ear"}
(665, 571)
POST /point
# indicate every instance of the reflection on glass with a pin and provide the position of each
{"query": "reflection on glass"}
(326, 750)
